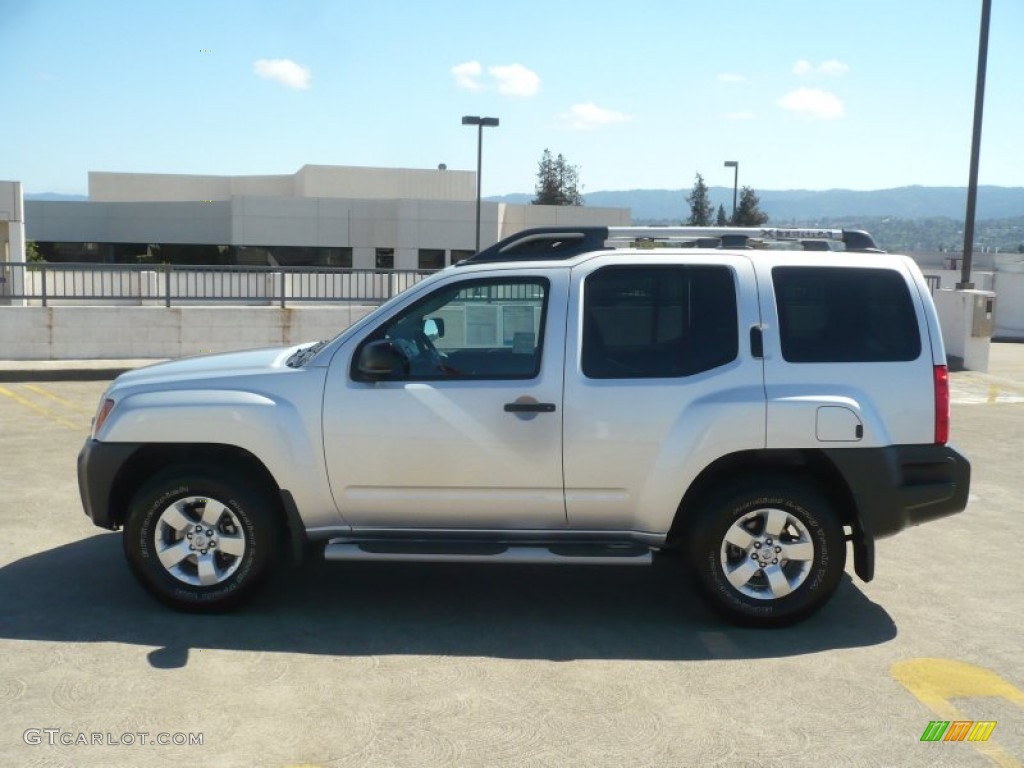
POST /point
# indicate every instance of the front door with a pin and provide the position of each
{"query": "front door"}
(468, 433)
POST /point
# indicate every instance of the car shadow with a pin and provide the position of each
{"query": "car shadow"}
(83, 592)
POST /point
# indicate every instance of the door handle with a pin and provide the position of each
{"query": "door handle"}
(529, 407)
(756, 341)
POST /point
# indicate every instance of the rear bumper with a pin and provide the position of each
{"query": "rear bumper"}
(98, 467)
(903, 485)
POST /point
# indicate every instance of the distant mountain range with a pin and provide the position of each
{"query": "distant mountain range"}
(799, 205)
(53, 196)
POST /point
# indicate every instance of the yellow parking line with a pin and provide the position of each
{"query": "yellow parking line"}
(993, 393)
(56, 398)
(39, 409)
(936, 682)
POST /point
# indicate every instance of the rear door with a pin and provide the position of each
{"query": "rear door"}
(660, 382)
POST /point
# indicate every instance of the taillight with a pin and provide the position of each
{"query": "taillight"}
(101, 416)
(941, 404)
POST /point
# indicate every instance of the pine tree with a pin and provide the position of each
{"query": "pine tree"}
(748, 212)
(700, 205)
(557, 182)
(721, 220)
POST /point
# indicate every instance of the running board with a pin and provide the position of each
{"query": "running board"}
(479, 552)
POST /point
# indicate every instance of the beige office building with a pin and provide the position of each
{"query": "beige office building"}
(364, 218)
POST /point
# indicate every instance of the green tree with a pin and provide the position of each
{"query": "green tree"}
(558, 182)
(748, 211)
(721, 220)
(32, 251)
(700, 205)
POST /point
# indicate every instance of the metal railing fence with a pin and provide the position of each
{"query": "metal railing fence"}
(43, 283)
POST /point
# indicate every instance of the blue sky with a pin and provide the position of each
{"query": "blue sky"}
(811, 94)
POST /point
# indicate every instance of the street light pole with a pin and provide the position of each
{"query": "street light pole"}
(480, 123)
(972, 180)
(735, 165)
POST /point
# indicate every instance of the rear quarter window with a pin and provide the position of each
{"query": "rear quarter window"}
(845, 315)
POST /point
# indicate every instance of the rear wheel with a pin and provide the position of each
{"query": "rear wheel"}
(768, 553)
(200, 540)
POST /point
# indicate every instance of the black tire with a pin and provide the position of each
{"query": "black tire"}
(761, 601)
(246, 526)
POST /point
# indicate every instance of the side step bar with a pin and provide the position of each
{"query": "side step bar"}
(473, 552)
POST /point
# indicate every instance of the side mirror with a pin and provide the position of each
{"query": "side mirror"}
(381, 360)
(433, 327)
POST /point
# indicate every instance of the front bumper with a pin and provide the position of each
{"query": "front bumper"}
(98, 467)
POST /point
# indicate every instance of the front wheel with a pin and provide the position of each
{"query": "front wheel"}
(199, 540)
(768, 553)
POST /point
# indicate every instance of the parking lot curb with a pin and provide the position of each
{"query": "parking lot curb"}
(17, 371)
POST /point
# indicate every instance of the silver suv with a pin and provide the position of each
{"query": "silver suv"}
(590, 395)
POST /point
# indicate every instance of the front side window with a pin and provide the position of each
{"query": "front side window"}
(658, 321)
(845, 315)
(476, 329)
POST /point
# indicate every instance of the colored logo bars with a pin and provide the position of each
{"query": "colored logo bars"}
(958, 730)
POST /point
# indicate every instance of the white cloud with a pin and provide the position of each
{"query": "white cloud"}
(515, 80)
(740, 116)
(730, 77)
(833, 67)
(467, 75)
(814, 103)
(283, 71)
(588, 117)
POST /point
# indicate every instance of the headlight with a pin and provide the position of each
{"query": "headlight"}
(101, 415)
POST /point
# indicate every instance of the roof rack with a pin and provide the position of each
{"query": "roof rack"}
(555, 243)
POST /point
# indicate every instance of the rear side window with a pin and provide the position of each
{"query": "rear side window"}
(840, 315)
(658, 321)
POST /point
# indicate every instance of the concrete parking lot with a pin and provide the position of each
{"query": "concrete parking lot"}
(414, 665)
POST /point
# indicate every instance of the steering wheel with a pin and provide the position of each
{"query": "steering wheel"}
(427, 348)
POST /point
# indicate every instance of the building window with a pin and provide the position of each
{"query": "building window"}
(340, 257)
(385, 258)
(458, 255)
(431, 258)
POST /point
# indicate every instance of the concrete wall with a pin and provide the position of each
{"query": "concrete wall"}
(333, 181)
(170, 187)
(12, 222)
(385, 183)
(90, 222)
(363, 225)
(1009, 314)
(98, 333)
